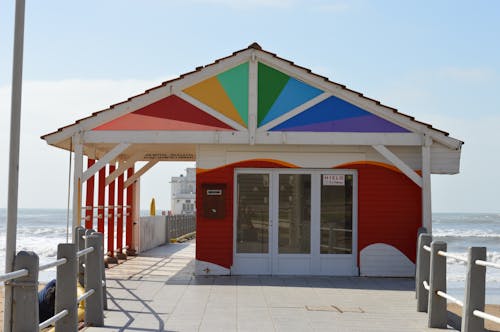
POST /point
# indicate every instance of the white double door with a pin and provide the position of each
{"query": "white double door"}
(295, 221)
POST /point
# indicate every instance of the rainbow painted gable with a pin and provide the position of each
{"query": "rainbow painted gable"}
(222, 104)
(226, 93)
(279, 93)
(336, 115)
(171, 113)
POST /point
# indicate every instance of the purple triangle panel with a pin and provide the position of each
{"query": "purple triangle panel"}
(362, 124)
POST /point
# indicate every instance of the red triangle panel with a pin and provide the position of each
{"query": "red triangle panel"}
(175, 108)
(143, 122)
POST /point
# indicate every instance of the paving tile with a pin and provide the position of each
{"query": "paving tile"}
(157, 291)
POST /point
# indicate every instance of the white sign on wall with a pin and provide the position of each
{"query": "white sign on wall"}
(333, 179)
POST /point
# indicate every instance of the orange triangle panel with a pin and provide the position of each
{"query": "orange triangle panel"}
(212, 93)
(170, 108)
(143, 122)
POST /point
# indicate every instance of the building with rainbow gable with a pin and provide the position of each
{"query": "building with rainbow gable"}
(295, 174)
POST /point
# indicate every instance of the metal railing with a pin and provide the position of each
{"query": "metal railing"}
(24, 283)
(431, 285)
(178, 225)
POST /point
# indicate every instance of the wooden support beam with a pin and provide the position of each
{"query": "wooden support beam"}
(123, 167)
(77, 180)
(401, 165)
(297, 110)
(138, 174)
(211, 111)
(112, 154)
(252, 98)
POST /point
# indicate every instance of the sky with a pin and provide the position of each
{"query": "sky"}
(438, 61)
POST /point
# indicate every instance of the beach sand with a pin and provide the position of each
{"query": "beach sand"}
(492, 309)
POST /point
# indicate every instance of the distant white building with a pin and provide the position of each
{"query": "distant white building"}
(183, 191)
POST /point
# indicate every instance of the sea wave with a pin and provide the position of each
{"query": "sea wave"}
(461, 233)
(493, 257)
(40, 232)
(468, 218)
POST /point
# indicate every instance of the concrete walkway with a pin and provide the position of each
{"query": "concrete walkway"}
(158, 292)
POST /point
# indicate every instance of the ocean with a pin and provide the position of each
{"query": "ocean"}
(40, 230)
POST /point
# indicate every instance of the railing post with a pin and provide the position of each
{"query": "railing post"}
(80, 244)
(474, 291)
(93, 280)
(438, 313)
(103, 278)
(66, 288)
(422, 272)
(25, 293)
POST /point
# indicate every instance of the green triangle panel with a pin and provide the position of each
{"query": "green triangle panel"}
(271, 83)
(235, 83)
(294, 93)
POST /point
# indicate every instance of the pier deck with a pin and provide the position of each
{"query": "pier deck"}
(157, 291)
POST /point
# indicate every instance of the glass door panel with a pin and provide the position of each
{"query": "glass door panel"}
(294, 228)
(252, 220)
(336, 213)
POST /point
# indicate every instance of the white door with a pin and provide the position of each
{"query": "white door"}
(290, 221)
(253, 223)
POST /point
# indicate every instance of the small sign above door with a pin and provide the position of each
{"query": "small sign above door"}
(333, 179)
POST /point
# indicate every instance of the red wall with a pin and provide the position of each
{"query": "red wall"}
(389, 210)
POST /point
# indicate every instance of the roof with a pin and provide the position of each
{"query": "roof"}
(190, 88)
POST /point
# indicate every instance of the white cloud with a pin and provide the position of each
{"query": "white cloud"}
(452, 105)
(473, 75)
(477, 187)
(249, 4)
(315, 5)
(332, 7)
(43, 173)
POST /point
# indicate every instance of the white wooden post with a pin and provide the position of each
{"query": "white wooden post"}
(252, 98)
(77, 180)
(426, 184)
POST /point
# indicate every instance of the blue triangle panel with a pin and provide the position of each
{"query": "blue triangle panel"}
(346, 117)
(294, 94)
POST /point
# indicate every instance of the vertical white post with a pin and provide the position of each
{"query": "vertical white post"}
(77, 180)
(136, 213)
(426, 185)
(252, 98)
(13, 181)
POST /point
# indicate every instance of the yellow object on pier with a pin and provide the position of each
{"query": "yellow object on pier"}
(152, 208)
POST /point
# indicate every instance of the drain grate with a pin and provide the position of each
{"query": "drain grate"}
(322, 308)
(350, 309)
(334, 308)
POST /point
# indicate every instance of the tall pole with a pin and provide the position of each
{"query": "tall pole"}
(15, 125)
